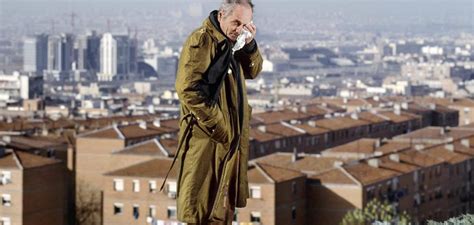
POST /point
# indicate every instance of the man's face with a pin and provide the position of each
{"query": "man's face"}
(233, 24)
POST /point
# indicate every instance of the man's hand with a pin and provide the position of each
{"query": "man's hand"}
(253, 30)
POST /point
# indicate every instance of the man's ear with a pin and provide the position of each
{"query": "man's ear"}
(219, 16)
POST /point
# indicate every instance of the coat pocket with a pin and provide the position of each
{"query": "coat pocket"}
(219, 133)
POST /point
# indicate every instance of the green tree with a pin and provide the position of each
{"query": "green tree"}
(375, 211)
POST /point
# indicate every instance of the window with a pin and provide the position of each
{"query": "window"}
(5, 177)
(136, 211)
(118, 184)
(5, 221)
(171, 212)
(438, 170)
(136, 186)
(152, 186)
(6, 200)
(152, 211)
(51, 153)
(118, 208)
(370, 193)
(293, 187)
(293, 213)
(255, 192)
(262, 149)
(255, 217)
(172, 190)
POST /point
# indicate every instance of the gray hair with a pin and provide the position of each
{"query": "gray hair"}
(227, 6)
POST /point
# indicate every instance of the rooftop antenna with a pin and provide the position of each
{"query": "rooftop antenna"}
(53, 23)
(73, 18)
(108, 25)
(136, 32)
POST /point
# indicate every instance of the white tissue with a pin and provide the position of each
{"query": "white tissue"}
(240, 43)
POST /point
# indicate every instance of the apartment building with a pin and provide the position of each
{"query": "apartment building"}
(98, 152)
(131, 195)
(32, 189)
(464, 106)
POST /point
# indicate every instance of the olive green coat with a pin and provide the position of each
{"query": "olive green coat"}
(209, 181)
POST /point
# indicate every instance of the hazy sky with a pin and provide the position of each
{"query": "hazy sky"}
(378, 15)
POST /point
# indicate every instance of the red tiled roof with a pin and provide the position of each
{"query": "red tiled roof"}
(333, 176)
(159, 147)
(305, 163)
(26, 160)
(155, 168)
(339, 123)
(367, 175)
(279, 174)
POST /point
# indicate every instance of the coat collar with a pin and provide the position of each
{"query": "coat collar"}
(212, 24)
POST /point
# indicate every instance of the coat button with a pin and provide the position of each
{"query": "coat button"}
(229, 71)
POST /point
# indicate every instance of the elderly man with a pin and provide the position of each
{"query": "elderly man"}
(214, 125)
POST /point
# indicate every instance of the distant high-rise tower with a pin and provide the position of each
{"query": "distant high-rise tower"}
(35, 53)
(80, 53)
(93, 52)
(67, 52)
(60, 52)
(118, 56)
(60, 57)
(108, 57)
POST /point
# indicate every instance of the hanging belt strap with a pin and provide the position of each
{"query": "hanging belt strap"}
(185, 133)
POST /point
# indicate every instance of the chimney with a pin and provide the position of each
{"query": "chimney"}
(355, 116)
(404, 105)
(419, 147)
(7, 139)
(304, 109)
(376, 98)
(378, 153)
(442, 131)
(397, 109)
(374, 163)
(449, 147)
(262, 128)
(142, 124)
(312, 123)
(377, 143)
(344, 100)
(465, 142)
(295, 109)
(294, 157)
(157, 122)
(44, 130)
(324, 104)
(433, 106)
(394, 157)
(338, 163)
